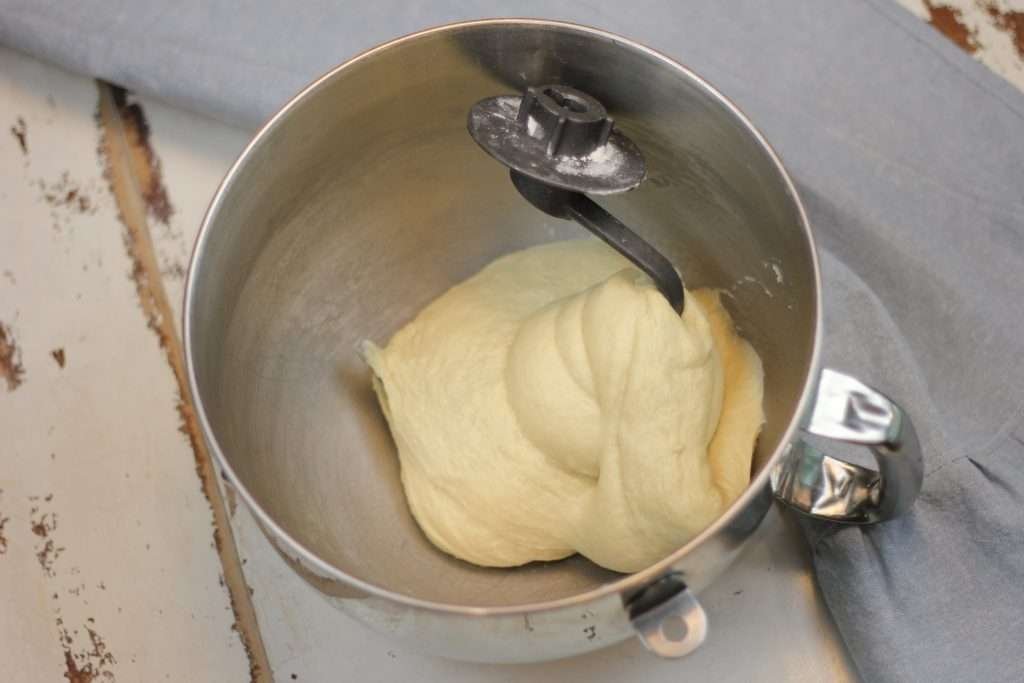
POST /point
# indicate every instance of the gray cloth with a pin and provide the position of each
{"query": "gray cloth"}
(910, 157)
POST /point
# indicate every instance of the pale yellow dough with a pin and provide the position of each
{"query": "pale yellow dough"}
(554, 403)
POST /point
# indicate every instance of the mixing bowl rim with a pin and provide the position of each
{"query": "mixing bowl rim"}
(628, 582)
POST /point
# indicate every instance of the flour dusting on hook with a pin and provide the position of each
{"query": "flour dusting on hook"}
(533, 128)
(601, 162)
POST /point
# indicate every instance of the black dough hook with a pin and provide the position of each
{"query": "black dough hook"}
(560, 145)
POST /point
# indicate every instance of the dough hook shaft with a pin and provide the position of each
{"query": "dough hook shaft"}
(561, 145)
(588, 213)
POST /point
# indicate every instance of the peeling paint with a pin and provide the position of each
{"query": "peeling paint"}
(73, 673)
(949, 20)
(66, 193)
(175, 271)
(48, 554)
(59, 356)
(11, 369)
(47, 551)
(20, 132)
(1011, 23)
(149, 174)
(3, 538)
(44, 524)
(132, 170)
(86, 665)
(232, 497)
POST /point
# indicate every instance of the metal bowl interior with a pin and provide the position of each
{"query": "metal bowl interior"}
(365, 198)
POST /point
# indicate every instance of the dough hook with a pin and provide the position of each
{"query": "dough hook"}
(560, 145)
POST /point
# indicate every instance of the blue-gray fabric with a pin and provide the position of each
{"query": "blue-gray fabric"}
(910, 158)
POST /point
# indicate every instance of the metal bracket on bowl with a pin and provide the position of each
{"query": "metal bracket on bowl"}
(820, 486)
(668, 619)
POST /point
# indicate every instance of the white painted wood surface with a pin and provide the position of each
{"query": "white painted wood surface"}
(991, 30)
(104, 528)
(108, 569)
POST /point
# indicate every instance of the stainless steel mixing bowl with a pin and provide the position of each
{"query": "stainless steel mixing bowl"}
(365, 198)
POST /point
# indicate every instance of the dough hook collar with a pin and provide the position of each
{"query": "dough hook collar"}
(560, 145)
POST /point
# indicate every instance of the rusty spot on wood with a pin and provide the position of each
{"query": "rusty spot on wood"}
(232, 497)
(47, 554)
(217, 542)
(149, 174)
(11, 369)
(59, 356)
(20, 132)
(949, 21)
(1010, 22)
(132, 170)
(62, 633)
(45, 523)
(88, 664)
(73, 673)
(174, 271)
(3, 538)
(73, 199)
(66, 193)
(99, 652)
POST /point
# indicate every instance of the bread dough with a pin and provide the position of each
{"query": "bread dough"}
(554, 403)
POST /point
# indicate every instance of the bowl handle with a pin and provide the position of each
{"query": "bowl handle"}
(821, 486)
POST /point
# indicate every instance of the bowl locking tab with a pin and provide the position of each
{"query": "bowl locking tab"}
(667, 617)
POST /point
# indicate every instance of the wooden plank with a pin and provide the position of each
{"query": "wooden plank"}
(135, 177)
(990, 30)
(108, 568)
